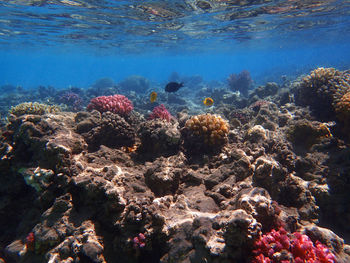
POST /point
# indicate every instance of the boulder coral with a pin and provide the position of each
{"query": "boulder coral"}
(321, 90)
(107, 129)
(209, 132)
(158, 137)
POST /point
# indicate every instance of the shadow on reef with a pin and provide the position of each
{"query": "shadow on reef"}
(250, 184)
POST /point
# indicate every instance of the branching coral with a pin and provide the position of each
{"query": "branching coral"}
(208, 131)
(33, 108)
(116, 103)
(160, 112)
(281, 246)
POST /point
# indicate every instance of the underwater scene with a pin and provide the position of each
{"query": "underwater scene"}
(183, 131)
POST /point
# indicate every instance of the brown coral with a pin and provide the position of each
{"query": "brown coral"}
(322, 89)
(208, 131)
(342, 108)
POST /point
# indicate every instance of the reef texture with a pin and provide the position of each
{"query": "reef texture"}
(100, 187)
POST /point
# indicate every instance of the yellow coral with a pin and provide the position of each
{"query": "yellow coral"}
(212, 129)
(33, 108)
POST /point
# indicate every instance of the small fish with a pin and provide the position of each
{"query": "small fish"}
(153, 96)
(208, 102)
(173, 86)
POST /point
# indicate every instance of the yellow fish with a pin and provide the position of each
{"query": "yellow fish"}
(208, 102)
(153, 96)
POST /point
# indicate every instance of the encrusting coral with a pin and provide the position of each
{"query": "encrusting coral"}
(208, 131)
(33, 108)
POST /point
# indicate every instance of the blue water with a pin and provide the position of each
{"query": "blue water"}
(63, 43)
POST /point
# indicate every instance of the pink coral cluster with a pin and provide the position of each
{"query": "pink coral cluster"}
(280, 246)
(160, 112)
(116, 103)
(139, 241)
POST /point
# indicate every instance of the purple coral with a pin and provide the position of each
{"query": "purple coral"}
(160, 112)
(241, 82)
(73, 100)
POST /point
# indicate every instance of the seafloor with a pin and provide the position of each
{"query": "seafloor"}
(118, 186)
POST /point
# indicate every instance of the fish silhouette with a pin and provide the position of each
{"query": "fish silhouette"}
(173, 86)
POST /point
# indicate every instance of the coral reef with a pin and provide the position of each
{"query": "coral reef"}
(205, 132)
(160, 112)
(33, 108)
(102, 186)
(116, 103)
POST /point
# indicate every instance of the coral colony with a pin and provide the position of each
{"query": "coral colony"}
(281, 246)
(160, 112)
(116, 103)
(139, 241)
(72, 100)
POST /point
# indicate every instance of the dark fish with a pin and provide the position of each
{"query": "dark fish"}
(173, 86)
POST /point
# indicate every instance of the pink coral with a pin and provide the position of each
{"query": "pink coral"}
(160, 112)
(139, 241)
(116, 103)
(280, 246)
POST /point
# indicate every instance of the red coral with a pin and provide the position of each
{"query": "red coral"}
(160, 112)
(30, 241)
(280, 246)
(116, 103)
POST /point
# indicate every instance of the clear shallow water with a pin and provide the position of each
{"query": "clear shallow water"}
(68, 42)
